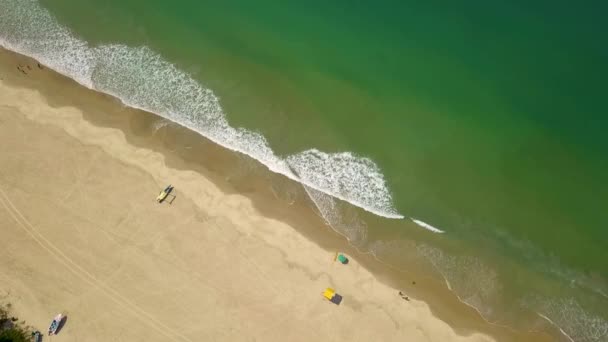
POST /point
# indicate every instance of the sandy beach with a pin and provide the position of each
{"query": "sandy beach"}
(83, 235)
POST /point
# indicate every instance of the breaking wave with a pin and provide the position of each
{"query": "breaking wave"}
(427, 226)
(142, 79)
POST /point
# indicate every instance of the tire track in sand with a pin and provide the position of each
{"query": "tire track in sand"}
(47, 245)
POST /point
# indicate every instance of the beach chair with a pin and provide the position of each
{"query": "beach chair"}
(164, 193)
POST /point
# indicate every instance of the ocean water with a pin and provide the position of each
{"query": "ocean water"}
(467, 134)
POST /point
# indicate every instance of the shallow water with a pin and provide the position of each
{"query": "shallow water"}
(482, 120)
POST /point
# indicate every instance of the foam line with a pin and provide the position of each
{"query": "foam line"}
(427, 226)
(557, 326)
(142, 79)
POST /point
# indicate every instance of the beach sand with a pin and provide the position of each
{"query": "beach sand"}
(82, 235)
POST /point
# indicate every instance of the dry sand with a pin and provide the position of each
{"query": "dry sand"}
(82, 234)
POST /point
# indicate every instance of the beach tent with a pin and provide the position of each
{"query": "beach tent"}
(336, 299)
(331, 295)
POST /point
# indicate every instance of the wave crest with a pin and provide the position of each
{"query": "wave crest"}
(141, 78)
(427, 226)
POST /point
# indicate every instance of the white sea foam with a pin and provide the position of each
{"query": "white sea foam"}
(557, 326)
(346, 176)
(475, 284)
(340, 219)
(576, 323)
(427, 226)
(141, 78)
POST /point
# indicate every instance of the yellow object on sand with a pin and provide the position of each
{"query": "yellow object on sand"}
(163, 194)
(329, 293)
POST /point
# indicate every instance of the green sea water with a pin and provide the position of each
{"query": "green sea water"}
(486, 118)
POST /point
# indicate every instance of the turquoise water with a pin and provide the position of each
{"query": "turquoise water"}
(484, 119)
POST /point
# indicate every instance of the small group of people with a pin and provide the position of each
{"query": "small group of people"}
(403, 294)
(22, 68)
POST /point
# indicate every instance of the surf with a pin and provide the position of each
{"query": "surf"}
(143, 79)
(427, 226)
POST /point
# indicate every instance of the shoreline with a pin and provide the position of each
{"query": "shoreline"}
(138, 128)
